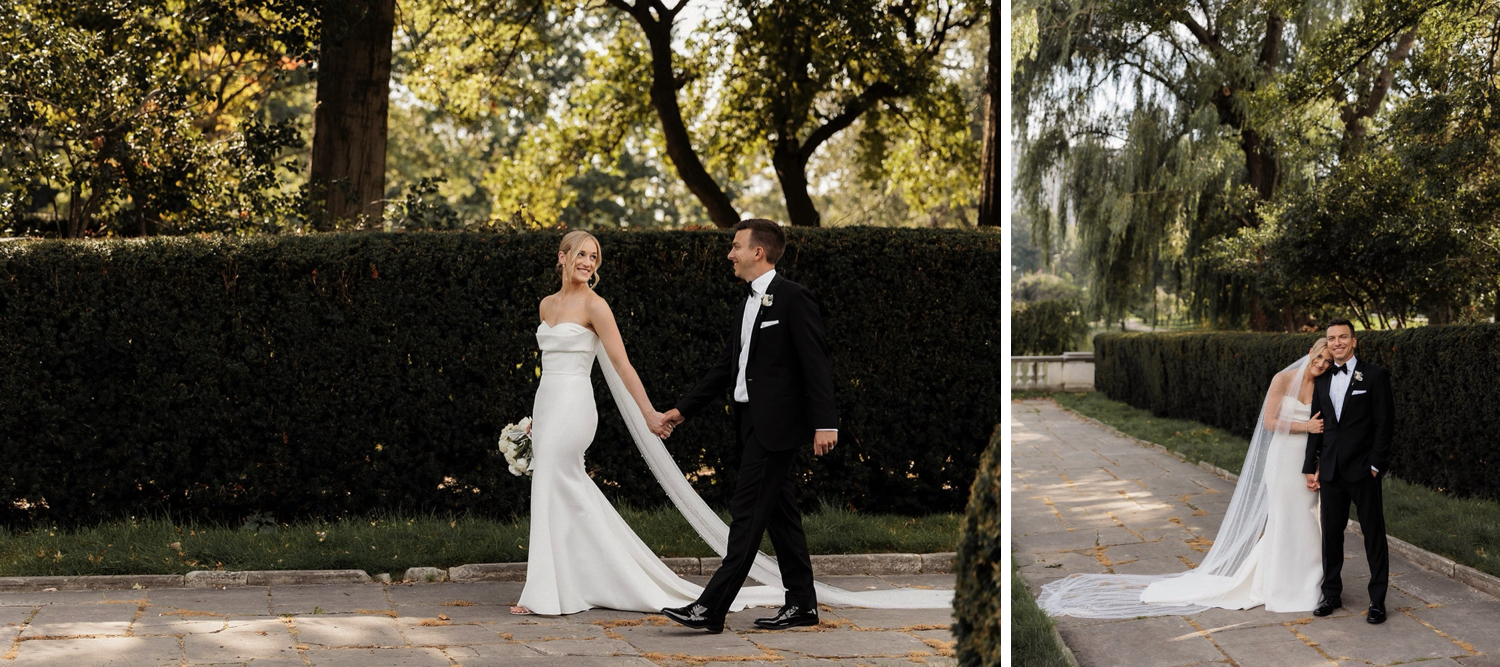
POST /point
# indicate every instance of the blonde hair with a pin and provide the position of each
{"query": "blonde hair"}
(1317, 347)
(570, 242)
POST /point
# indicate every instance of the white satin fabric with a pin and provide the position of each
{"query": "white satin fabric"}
(1285, 568)
(582, 554)
(1267, 550)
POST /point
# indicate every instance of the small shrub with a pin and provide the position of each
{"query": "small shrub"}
(978, 603)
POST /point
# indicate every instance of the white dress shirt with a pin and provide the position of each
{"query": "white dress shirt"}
(1339, 386)
(747, 327)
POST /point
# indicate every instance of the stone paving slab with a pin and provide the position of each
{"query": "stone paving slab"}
(1267, 646)
(243, 641)
(350, 599)
(844, 644)
(394, 657)
(443, 633)
(677, 640)
(1087, 500)
(348, 631)
(102, 619)
(108, 651)
(231, 602)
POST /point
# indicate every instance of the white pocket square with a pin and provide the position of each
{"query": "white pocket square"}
(769, 323)
(1356, 392)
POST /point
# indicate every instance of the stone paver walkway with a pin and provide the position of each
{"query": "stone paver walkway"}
(1086, 500)
(437, 624)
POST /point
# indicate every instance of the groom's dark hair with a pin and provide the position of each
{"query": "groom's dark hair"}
(1339, 322)
(766, 234)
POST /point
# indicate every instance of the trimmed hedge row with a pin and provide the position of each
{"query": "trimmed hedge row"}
(1443, 377)
(326, 375)
(978, 601)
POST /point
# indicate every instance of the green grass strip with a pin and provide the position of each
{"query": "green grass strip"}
(1466, 530)
(1032, 642)
(394, 543)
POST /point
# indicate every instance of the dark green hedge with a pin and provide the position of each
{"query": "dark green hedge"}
(354, 373)
(978, 602)
(1443, 377)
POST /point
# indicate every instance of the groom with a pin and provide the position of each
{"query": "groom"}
(776, 367)
(1345, 463)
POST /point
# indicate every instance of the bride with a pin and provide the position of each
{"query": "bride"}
(1267, 551)
(582, 554)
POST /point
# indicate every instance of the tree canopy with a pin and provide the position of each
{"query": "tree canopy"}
(1267, 163)
(125, 117)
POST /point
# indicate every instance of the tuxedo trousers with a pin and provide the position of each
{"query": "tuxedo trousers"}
(1336, 495)
(764, 501)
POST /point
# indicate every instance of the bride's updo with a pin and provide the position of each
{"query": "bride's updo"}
(1317, 347)
(570, 242)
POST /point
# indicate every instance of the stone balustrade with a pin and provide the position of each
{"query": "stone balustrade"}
(1070, 371)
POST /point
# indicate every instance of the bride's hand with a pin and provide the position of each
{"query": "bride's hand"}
(657, 422)
(1315, 425)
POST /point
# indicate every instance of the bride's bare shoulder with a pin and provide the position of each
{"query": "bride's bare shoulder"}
(596, 305)
(548, 302)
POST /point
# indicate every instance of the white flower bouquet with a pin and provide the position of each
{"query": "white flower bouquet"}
(515, 444)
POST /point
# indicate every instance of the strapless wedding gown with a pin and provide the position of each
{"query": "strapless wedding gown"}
(1285, 568)
(582, 554)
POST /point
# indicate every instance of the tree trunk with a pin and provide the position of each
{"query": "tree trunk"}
(1354, 114)
(349, 126)
(791, 171)
(674, 130)
(990, 167)
(1261, 169)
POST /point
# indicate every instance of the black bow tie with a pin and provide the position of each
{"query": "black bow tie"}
(1339, 369)
(749, 290)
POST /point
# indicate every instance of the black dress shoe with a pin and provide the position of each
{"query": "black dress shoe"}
(695, 616)
(790, 616)
(1327, 607)
(1376, 615)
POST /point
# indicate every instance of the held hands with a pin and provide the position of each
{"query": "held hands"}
(1312, 482)
(656, 421)
(662, 424)
(823, 441)
(1315, 425)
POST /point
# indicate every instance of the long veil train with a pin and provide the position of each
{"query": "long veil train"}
(1119, 595)
(712, 529)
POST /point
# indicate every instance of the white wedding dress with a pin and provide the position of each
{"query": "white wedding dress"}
(1285, 567)
(582, 554)
(1268, 550)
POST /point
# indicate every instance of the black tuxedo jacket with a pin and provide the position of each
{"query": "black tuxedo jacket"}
(788, 374)
(1359, 438)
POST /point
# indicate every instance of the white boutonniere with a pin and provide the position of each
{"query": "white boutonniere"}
(766, 300)
(1358, 377)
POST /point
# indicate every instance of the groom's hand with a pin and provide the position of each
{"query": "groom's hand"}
(1312, 482)
(668, 421)
(824, 441)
